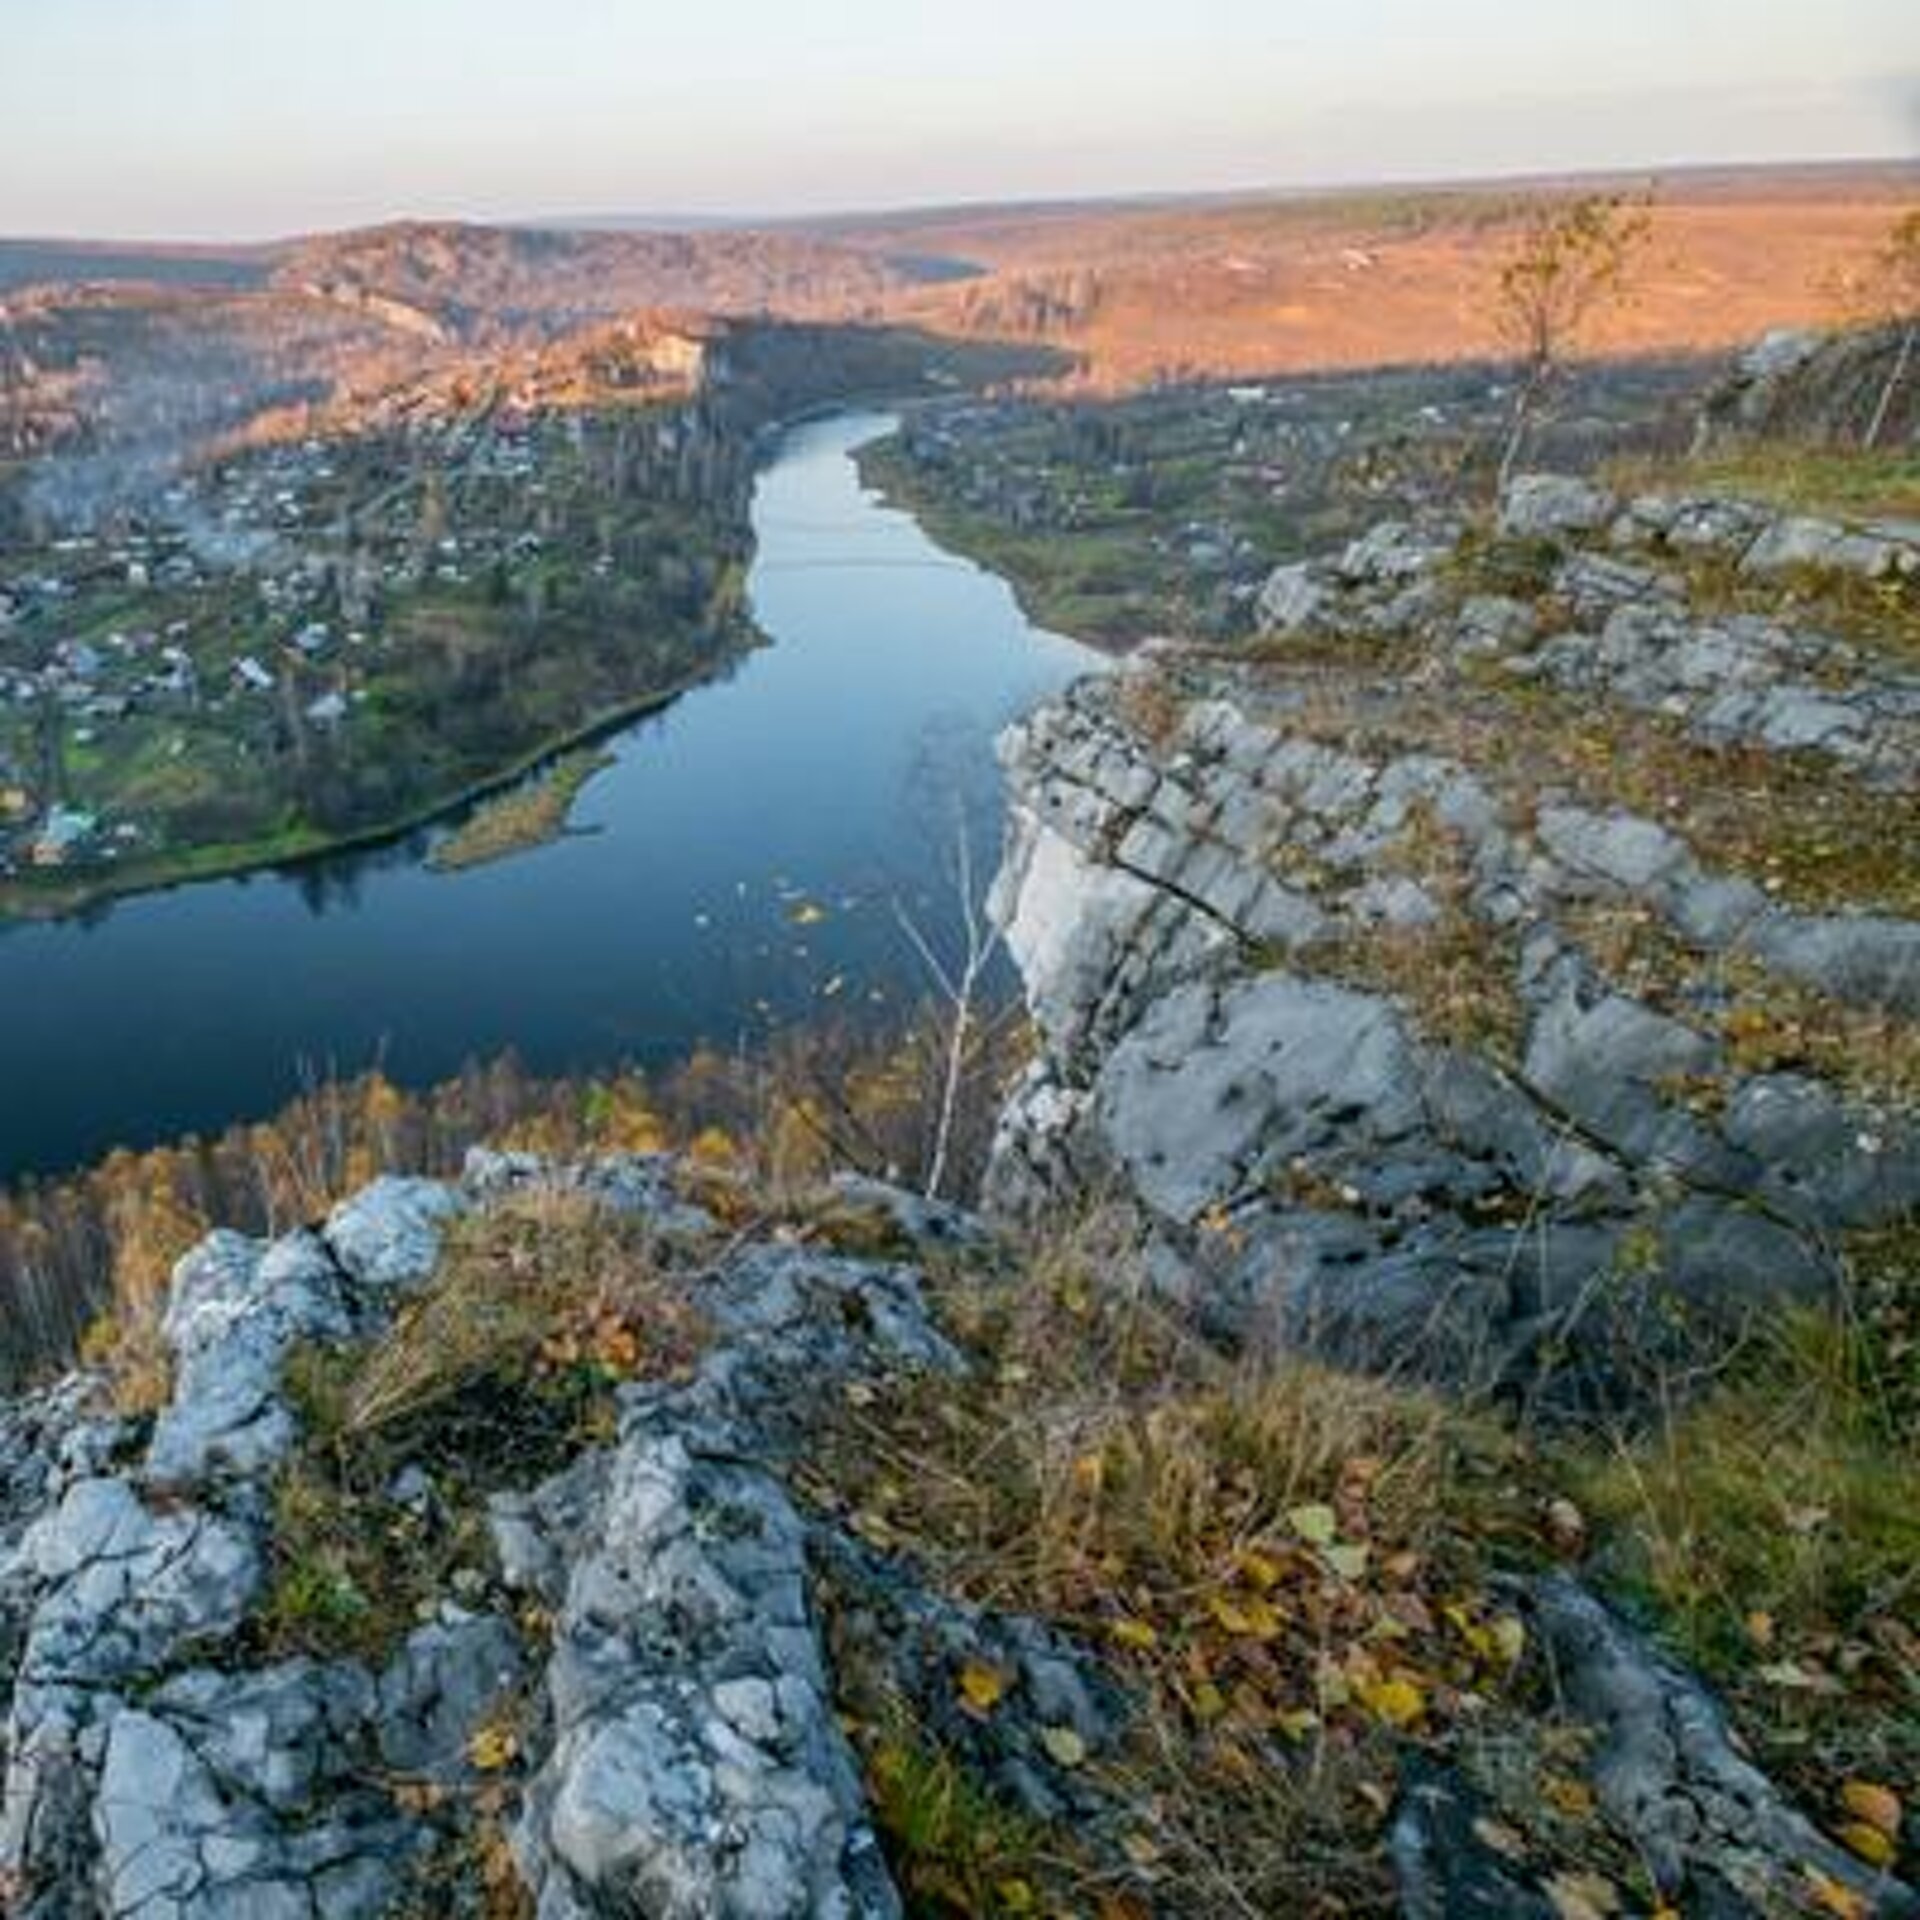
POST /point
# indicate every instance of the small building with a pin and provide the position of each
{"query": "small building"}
(62, 833)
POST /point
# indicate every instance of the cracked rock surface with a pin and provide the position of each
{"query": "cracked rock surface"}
(1199, 911)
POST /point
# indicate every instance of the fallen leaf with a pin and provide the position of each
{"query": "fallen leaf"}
(1833, 1897)
(1139, 1636)
(1791, 1675)
(1503, 1839)
(1397, 1701)
(492, 1748)
(1565, 1527)
(1316, 1524)
(983, 1687)
(1246, 1617)
(1878, 1806)
(1583, 1896)
(1348, 1562)
(1258, 1569)
(1873, 1846)
(1064, 1747)
(1509, 1638)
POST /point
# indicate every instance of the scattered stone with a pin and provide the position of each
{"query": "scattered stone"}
(1550, 506)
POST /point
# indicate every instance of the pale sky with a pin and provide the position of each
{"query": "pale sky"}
(250, 118)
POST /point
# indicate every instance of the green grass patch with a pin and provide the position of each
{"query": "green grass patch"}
(1771, 1529)
(1840, 482)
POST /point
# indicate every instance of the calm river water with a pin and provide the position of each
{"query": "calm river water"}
(731, 871)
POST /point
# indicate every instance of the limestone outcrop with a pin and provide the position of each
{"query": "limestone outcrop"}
(1410, 1055)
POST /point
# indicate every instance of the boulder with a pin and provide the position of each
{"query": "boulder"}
(1552, 506)
(1293, 600)
(387, 1237)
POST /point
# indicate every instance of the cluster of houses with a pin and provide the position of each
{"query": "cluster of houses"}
(257, 580)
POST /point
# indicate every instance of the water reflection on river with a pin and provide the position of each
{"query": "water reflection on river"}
(732, 868)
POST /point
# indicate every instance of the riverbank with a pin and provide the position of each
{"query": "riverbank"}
(33, 898)
(792, 775)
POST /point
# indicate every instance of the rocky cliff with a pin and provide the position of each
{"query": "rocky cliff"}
(1502, 981)
(1505, 979)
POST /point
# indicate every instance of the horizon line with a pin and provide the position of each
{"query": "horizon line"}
(928, 212)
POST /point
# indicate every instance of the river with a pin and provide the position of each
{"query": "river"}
(734, 869)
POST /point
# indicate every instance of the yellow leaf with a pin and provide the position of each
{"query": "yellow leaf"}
(1509, 1638)
(1869, 1843)
(983, 1687)
(1397, 1701)
(492, 1748)
(1878, 1806)
(1258, 1569)
(1209, 1703)
(1246, 1618)
(1316, 1524)
(1064, 1747)
(1835, 1898)
(1297, 1723)
(1015, 1896)
(1135, 1635)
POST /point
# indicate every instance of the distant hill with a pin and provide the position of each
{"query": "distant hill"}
(480, 281)
(25, 263)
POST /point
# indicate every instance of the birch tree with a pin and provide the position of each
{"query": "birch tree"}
(1572, 260)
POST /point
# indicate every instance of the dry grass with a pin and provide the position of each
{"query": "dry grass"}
(1843, 482)
(1766, 1022)
(1773, 1527)
(526, 1293)
(1816, 838)
(1388, 278)
(1286, 1565)
(1458, 976)
(497, 1374)
(522, 818)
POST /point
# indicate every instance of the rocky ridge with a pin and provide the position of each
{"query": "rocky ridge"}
(1319, 986)
(648, 1623)
(1395, 1054)
(647, 1617)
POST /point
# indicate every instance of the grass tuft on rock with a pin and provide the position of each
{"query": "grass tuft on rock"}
(1286, 1567)
(497, 1374)
(1771, 1529)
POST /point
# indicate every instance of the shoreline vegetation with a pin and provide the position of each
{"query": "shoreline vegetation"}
(521, 819)
(34, 899)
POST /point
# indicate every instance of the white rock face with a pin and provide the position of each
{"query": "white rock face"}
(1067, 921)
(1312, 1163)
